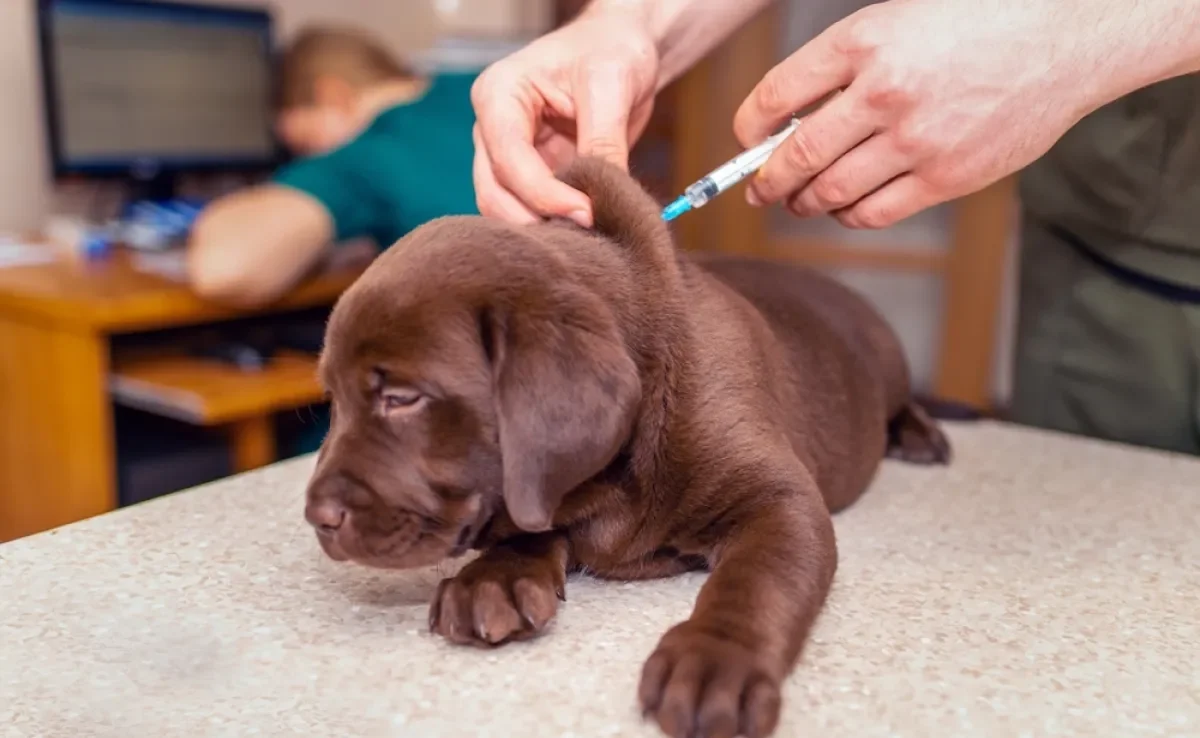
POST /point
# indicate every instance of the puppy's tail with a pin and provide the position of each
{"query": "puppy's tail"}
(624, 212)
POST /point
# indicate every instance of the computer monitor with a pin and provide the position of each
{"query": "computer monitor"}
(148, 90)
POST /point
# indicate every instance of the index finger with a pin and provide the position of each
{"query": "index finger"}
(603, 115)
(813, 72)
(507, 124)
(490, 197)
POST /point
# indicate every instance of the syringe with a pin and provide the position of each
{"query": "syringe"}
(727, 175)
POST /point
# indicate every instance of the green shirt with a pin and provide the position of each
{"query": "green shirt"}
(1126, 181)
(410, 165)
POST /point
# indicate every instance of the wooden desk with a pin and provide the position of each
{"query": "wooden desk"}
(57, 450)
(209, 393)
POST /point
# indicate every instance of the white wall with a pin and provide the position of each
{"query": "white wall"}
(23, 189)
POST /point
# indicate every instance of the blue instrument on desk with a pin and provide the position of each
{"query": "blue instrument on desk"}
(150, 225)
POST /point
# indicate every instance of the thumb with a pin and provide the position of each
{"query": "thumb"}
(602, 114)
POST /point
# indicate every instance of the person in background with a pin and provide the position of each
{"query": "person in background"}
(1108, 333)
(1103, 96)
(381, 149)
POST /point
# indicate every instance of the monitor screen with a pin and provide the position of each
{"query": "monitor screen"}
(147, 87)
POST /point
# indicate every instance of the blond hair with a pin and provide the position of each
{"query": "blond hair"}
(350, 55)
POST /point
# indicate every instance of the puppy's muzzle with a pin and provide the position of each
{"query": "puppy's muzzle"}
(326, 511)
(325, 516)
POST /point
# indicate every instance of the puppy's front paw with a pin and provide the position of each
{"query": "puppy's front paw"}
(496, 599)
(699, 684)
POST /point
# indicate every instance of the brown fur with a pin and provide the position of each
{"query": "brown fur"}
(569, 400)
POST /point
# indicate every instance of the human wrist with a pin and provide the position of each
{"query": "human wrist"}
(686, 30)
(636, 15)
(682, 31)
(636, 20)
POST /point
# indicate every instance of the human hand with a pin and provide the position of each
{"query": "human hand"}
(939, 99)
(587, 88)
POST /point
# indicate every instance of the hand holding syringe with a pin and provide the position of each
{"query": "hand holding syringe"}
(727, 175)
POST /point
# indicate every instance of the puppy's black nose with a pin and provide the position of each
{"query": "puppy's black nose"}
(326, 516)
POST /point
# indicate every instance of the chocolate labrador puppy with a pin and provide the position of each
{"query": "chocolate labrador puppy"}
(565, 399)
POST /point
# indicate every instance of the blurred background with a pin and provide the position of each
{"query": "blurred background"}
(118, 384)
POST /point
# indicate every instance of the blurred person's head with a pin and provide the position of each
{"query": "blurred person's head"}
(332, 83)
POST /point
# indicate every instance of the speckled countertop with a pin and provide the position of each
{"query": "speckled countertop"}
(1040, 586)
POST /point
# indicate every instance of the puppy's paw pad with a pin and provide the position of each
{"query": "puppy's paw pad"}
(916, 438)
(491, 603)
(699, 684)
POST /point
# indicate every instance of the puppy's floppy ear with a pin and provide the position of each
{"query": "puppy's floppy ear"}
(625, 213)
(567, 394)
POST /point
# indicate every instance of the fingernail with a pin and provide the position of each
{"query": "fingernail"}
(582, 217)
(752, 197)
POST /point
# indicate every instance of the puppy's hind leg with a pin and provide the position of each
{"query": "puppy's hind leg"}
(915, 437)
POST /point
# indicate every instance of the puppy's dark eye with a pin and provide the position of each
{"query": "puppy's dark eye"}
(400, 398)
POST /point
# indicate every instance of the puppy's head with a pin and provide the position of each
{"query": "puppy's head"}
(469, 368)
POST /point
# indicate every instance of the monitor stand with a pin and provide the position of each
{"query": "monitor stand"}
(157, 187)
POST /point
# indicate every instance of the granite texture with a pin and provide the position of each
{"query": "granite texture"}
(1040, 586)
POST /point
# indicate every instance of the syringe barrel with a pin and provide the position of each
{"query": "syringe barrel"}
(701, 191)
(741, 166)
(736, 169)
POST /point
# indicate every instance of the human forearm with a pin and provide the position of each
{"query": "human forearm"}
(1121, 46)
(249, 248)
(683, 30)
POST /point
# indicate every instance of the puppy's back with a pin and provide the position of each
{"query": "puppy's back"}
(802, 304)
